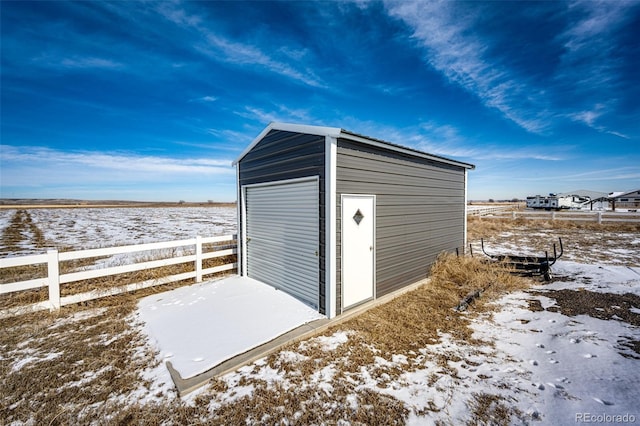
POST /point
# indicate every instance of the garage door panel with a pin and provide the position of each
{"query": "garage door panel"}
(294, 226)
(290, 284)
(282, 229)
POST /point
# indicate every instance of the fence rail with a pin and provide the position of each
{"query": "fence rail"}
(54, 278)
(599, 216)
(486, 210)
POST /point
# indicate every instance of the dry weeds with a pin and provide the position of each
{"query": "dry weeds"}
(585, 242)
(605, 306)
(21, 228)
(52, 367)
(479, 227)
(487, 409)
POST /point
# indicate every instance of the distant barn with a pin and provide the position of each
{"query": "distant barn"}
(336, 219)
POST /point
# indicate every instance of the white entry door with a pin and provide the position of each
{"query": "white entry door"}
(358, 249)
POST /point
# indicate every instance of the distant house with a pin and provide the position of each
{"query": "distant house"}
(336, 219)
(625, 200)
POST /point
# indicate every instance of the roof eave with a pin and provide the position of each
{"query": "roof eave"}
(336, 132)
(408, 151)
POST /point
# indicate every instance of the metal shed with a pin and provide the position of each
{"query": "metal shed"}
(336, 218)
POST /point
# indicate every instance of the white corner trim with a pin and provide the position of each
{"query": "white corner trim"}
(239, 219)
(330, 177)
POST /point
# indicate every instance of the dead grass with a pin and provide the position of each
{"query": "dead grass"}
(479, 227)
(584, 242)
(21, 228)
(52, 367)
(410, 322)
(604, 306)
(489, 409)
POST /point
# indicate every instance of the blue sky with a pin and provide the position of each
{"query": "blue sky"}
(154, 100)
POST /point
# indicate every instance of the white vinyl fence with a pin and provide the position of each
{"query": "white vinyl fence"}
(53, 280)
(584, 216)
(486, 210)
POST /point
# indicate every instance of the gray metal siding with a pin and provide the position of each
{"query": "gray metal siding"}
(283, 155)
(282, 237)
(420, 209)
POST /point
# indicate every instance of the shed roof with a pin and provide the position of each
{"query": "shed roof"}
(337, 132)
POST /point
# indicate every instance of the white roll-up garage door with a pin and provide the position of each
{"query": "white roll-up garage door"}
(282, 237)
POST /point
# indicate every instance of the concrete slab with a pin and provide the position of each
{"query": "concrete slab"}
(303, 332)
(200, 326)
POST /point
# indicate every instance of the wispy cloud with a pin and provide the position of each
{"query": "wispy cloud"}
(585, 83)
(219, 47)
(618, 134)
(278, 113)
(591, 117)
(454, 50)
(205, 99)
(90, 62)
(22, 164)
(620, 173)
(243, 54)
(78, 62)
(589, 64)
(448, 141)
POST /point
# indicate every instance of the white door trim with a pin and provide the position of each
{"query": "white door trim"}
(373, 251)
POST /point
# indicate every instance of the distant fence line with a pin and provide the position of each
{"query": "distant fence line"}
(580, 216)
(54, 279)
(486, 210)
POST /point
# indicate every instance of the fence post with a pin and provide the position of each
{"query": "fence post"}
(198, 259)
(53, 276)
(553, 215)
(513, 214)
(599, 218)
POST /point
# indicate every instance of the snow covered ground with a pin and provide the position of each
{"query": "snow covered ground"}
(561, 368)
(83, 228)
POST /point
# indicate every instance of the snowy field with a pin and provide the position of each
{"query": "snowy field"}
(563, 352)
(83, 228)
